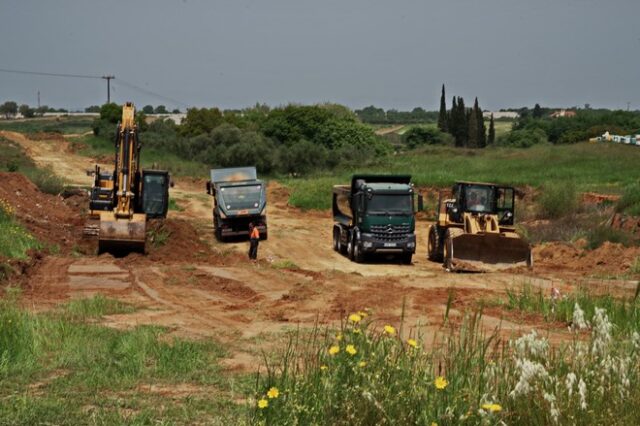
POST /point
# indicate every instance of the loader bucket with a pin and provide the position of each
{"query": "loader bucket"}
(122, 235)
(488, 252)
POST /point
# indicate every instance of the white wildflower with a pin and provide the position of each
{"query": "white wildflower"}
(569, 382)
(582, 390)
(529, 344)
(529, 371)
(602, 332)
(635, 340)
(553, 410)
(579, 322)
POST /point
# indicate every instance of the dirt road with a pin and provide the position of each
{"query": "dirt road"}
(196, 286)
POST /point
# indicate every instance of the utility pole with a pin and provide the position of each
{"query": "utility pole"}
(38, 99)
(108, 78)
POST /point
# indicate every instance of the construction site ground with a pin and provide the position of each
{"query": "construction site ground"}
(199, 288)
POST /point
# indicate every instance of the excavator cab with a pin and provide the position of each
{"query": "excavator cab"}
(474, 230)
(155, 193)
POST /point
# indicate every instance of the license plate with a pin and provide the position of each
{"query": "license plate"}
(389, 244)
(243, 212)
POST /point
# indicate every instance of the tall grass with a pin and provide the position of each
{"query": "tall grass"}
(372, 375)
(593, 167)
(558, 199)
(14, 159)
(15, 240)
(53, 366)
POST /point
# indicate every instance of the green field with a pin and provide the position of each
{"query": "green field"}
(64, 125)
(605, 168)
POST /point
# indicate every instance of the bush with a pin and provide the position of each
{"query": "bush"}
(629, 203)
(418, 136)
(523, 138)
(46, 180)
(558, 200)
(601, 234)
(302, 157)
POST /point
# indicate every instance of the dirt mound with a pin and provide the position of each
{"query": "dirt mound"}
(623, 222)
(608, 258)
(46, 136)
(46, 216)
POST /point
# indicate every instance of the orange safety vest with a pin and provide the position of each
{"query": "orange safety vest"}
(255, 233)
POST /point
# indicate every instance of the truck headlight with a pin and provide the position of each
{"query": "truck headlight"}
(367, 244)
(411, 244)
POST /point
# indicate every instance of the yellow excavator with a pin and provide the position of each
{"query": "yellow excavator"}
(475, 230)
(125, 198)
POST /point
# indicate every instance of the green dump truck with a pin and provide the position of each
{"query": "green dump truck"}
(375, 214)
(239, 198)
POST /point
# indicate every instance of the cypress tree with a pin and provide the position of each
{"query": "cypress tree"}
(482, 129)
(453, 117)
(462, 133)
(472, 141)
(442, 117)
(491, 138)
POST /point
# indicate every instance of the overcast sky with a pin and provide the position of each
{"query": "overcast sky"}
(391, 53)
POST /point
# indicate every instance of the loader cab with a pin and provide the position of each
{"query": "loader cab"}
(483, 198)
(155, 193)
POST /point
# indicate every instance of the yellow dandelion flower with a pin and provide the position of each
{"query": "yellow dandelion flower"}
(355, 318)
(334, 350)
(440, 382)
(494, 408)
(362, 364)
(412, 342)
(273, 393)
(390, 330)
(434, 424)
(262, 404)
(351, 350)
(323, 367)
(339, 337)
(356, 331)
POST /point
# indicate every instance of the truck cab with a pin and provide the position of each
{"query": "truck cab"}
(239, 198)
(375, 214)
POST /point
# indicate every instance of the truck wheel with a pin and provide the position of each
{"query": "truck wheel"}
(216, 229)
(406, 258)
(358, 256)
(264, 236)
(336, 239)
(434, 247)
(350, 247)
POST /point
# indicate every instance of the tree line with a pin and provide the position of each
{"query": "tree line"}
(375, 115)
(10, 109)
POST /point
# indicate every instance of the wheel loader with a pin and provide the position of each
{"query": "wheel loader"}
(475, 230)
(123, 200)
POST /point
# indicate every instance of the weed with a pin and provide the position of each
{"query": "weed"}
(558, 200)
(173, 205)
(15, 240)
(284, 264)
(603, 233)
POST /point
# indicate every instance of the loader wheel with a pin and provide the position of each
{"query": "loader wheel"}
(448, 251)
(336, 239)
(435, 250)
(530, 260)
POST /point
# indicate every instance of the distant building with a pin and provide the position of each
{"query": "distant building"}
(563, 113)
(501, 114)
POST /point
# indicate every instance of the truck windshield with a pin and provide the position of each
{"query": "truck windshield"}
(241, 197)
(390, 204)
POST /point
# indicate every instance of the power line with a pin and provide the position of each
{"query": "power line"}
(49, 74)
(150, 93)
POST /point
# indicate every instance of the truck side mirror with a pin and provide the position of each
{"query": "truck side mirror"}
(420, 203)
(209, 188)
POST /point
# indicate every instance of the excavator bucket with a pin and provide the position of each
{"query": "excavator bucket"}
(487, 252)
(121, 235)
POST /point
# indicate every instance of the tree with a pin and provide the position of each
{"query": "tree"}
(161, 109)
(9, 109)
(452, 120)
(491, 138)
(482, 129)
(111, 113)
(462, 132)
(442, 117)
(537, 111)
(200, 120)
(92, 108)
(175, 111)
(26, 111)
(41, 110)
(147, 109)
(472, 124)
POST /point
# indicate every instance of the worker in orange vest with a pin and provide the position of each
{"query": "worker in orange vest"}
(254, 239)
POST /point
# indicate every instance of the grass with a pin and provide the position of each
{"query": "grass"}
(285, 264)
(14, 159)
(369, 374)
(62, 368)
(62, 125)
(593, 167)
(15, 240)
(624, 313)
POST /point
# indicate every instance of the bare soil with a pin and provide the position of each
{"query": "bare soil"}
(198, 287)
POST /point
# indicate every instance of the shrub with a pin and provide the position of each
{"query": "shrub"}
(419, 135)
(558, 200)
(302, 157)
(523, 138)
(629, 203)
(601, 234)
